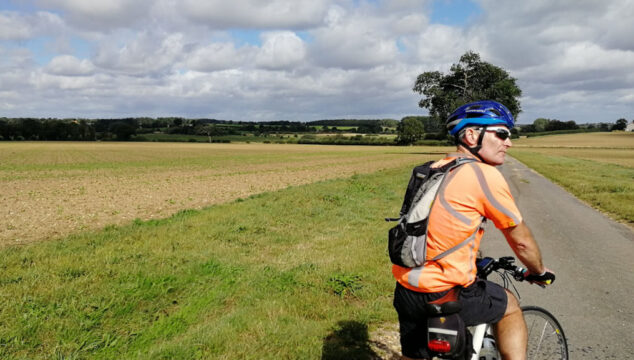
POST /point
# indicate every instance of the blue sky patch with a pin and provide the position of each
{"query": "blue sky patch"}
(20, 6)
(82, 49)
(41, 49)
(454, 12)
(246, 37)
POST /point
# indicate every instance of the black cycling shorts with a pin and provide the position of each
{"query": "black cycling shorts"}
(482, 302)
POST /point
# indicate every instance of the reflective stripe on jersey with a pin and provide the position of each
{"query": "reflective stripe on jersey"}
(414, 274)
(445, 204)
(491, 198)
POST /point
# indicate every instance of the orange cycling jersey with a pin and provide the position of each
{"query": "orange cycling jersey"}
(469, 194)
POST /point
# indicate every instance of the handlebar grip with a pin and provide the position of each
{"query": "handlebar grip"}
(543, 279)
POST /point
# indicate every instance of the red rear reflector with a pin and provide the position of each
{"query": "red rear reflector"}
(440, 346)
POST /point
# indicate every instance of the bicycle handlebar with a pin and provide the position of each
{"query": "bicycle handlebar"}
(488, 265)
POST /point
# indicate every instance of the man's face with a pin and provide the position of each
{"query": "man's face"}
(494, 148)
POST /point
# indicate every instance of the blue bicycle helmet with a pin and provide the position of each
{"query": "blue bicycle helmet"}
(485, 113)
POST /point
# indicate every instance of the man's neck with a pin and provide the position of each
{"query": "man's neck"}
(461, 152)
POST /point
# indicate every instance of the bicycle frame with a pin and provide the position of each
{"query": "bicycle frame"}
(478, 333)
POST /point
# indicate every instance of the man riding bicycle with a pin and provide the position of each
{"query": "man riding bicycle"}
(471, 193)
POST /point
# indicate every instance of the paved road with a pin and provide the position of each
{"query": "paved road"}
(593, 258)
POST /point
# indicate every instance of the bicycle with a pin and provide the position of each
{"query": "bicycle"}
(546, 339)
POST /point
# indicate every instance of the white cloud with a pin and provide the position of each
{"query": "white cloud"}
(44, 81)
(69, 65)
(615, 26)
(14, 27)
(256, 14)
(353, 40)
(281, 50)
(101, 15)
(217, 56)
(147, 54)
(441, 44)
(17, 26)
(410, 24)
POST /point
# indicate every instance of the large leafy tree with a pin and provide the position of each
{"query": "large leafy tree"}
(471, 79)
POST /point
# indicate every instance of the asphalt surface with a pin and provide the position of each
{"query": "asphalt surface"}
(592, 257)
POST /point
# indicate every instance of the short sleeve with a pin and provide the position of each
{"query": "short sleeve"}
(498, 203)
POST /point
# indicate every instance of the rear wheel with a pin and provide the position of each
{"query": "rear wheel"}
(546, 339)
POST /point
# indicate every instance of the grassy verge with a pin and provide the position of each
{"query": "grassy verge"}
(608, 187)
(299, 273)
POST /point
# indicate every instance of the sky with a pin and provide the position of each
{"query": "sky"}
(304, 60)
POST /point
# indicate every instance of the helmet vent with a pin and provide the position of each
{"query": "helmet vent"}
(495, 111)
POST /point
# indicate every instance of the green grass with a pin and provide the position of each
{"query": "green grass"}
(299, 273)
(606, 186)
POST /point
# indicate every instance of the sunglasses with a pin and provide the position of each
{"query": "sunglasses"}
(500, 132)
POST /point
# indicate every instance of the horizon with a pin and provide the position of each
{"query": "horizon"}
(272, 121)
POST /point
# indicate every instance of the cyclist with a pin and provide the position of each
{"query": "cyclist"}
(471, 194)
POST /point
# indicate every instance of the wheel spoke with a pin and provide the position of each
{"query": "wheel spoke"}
(545, 337)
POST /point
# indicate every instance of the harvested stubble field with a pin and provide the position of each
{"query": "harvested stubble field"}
(52, 189)
(614, 148)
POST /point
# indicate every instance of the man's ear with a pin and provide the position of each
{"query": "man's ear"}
(471, 136)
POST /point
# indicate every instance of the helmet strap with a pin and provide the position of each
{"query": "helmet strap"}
(474, 150)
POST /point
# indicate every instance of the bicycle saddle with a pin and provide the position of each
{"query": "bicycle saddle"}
(446, 305)
(447, 308)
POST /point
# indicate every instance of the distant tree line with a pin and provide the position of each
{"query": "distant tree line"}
(409, 130)
(46, 129)
(355, 122)
(543, 124)
(550, 125)
(130, 128)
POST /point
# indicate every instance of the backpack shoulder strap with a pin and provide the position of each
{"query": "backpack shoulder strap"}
(419, 174)
(450, 166)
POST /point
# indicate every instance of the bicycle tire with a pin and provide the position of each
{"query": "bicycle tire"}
(546, 339)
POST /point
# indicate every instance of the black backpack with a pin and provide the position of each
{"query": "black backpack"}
(407, 241)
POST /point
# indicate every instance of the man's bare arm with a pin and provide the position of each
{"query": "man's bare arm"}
(525, 247)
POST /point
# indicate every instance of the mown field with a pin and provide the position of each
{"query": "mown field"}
(52, 189)
(597, 168)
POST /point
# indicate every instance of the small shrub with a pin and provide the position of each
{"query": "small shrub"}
(345, 284)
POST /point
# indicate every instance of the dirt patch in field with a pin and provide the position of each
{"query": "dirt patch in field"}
(39, 206)
(385, 342)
